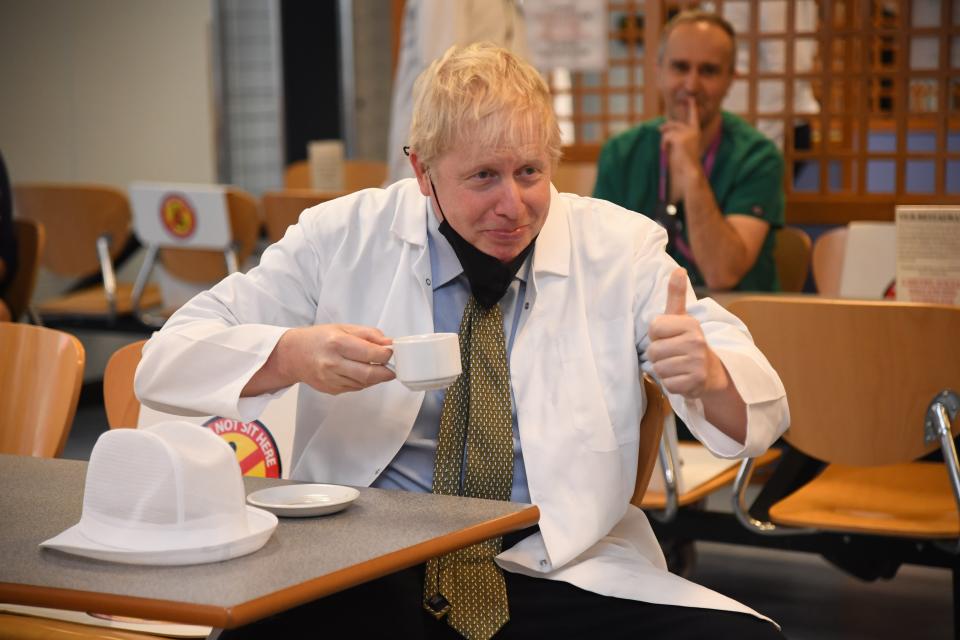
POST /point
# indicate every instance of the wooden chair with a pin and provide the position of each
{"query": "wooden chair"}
(283, 208)
(357, 174)
(828, 252)
(87, 226)
(28, 627)
(791, 254)
(575, 177)
(666, 502)
(119, 399)
(123, 409)
(40, 375)
(363, 174)
(31, 239)
(192, 265)
(201, 266)
(869, 385)
(297, 175)
(651, 428)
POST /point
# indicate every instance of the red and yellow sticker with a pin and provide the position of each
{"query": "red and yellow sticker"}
(253, 443)
(177, 216)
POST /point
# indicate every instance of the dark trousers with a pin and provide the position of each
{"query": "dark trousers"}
(390, 607)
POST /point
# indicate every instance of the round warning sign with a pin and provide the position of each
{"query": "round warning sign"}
(253, 443)
(178, 217)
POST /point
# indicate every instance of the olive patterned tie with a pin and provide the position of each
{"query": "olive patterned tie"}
(476, 429)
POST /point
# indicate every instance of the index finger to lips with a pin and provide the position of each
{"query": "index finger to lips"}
(693, 117)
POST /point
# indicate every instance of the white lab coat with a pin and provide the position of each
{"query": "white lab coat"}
(599, 276)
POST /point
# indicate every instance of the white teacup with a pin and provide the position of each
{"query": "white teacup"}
(426, 362)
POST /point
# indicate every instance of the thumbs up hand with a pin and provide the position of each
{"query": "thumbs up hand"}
(678, 350)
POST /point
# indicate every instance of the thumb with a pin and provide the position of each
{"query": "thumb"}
(677, 292)
(370, 334)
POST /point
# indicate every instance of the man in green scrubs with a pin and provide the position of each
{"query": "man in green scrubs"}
(710, 178)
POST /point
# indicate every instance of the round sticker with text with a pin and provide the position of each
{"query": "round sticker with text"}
(253, 443)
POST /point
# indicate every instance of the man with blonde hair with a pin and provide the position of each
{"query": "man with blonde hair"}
(559, 301)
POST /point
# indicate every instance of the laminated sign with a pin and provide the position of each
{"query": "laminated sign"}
(928, 254)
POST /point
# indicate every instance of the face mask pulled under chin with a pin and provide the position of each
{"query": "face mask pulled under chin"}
(489, 278)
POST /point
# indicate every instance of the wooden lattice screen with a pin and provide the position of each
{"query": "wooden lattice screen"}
(864, 95)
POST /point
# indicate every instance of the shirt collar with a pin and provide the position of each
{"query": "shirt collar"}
(444, 264)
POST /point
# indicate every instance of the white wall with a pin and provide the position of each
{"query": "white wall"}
(107, 91)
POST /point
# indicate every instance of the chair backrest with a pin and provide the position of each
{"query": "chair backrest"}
(40, 376)
(828, 253)
(357, 174)
(651, 428)
(193, 265)
(869, 260)
(31, 238)
(297, 175)
(791, 254)
(363, 174)
(283, 208)
(859, 375)
(119, 399)
(575, 177)
(74, 216)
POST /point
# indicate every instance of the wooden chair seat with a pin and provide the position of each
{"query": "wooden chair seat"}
(658, 499)
(18, 627)
(92, 301)
(909, 500)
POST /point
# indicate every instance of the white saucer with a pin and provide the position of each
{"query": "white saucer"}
(303, 500)
(430, 385)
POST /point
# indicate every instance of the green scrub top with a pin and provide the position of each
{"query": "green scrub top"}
(747, 179)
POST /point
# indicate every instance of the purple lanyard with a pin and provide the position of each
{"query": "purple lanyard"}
(709, 159)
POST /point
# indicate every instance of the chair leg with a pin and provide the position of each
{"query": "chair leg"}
(956, 599)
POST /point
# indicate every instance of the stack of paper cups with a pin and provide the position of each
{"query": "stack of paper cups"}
(326, 164)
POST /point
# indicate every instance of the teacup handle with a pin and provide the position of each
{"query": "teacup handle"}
(390, 364)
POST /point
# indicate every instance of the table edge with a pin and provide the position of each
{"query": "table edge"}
(252, 610)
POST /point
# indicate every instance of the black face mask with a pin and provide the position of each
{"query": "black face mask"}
(488, 277)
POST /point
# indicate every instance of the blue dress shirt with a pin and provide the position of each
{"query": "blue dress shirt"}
(412, 468)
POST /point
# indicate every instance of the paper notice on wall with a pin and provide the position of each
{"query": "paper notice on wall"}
(928, 254)
(567, 34)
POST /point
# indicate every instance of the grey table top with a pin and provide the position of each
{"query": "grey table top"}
(382, 532)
